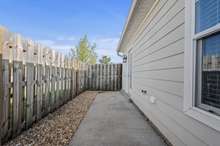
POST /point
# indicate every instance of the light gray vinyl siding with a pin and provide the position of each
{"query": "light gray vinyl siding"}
(158, 67)
(141, 9)
(125, 77)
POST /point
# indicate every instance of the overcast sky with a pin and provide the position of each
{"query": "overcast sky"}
(61, 23)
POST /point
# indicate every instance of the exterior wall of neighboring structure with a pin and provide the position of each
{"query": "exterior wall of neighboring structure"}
(157, 52)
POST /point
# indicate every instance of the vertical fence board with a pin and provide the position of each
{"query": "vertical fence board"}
(120, 77)
(108, 77)
(115, 77)
(6, 98)
(39, 91)
(101, 78)
(30, 73)
(53, 99)
(5, 125)
(118, 80)
(17, 97)
(92, 77)
(112, 69)
(74, 82)
(98, 77)
(16, 86)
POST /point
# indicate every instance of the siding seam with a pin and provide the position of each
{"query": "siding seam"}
(158, 69)
(160, 28)
(157, 50)
(169, 32)
(137, 36)
(159, 79)
(160, 59)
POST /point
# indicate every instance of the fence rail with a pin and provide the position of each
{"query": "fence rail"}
(36, 80)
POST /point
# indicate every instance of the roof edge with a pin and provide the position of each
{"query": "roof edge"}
(126, 24)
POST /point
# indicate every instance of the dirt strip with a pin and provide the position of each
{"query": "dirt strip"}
(58, 127)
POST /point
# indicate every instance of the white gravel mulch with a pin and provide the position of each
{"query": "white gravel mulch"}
(57, 128)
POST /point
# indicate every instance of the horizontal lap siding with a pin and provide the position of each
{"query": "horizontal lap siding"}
(124, 77)
(158, 67)
(142, 7)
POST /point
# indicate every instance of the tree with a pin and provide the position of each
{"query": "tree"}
(105, 60)
(84, 51)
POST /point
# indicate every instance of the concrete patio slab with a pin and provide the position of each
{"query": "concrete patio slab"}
(113, 121)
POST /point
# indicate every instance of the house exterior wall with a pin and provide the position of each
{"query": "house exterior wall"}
(125, 77)
(158, 68)
(141, 8)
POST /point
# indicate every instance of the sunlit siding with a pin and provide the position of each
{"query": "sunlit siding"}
(141, 9)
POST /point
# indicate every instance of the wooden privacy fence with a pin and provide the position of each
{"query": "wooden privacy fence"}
(105, 77)
(36, 80)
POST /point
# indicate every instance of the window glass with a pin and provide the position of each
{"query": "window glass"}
(207, 14)
(210, 72)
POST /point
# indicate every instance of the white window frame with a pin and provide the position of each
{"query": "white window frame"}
(191, 38)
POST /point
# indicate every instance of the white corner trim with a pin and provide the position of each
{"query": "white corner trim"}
(188, 58)
(189, 109)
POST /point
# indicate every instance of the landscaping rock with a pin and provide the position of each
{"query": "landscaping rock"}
(57, 128)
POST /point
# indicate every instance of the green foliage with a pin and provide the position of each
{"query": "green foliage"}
(84, 51)
(105, 60)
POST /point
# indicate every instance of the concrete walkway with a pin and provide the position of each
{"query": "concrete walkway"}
(113, 121)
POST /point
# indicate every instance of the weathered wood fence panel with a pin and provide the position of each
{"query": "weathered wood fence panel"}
(105, 77)
(35, 80)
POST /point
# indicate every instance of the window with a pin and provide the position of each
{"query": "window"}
(207, 54)
(202, 61)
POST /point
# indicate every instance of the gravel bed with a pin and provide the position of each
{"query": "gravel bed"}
(57, 128)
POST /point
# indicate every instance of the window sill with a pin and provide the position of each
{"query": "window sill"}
(205, 117)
